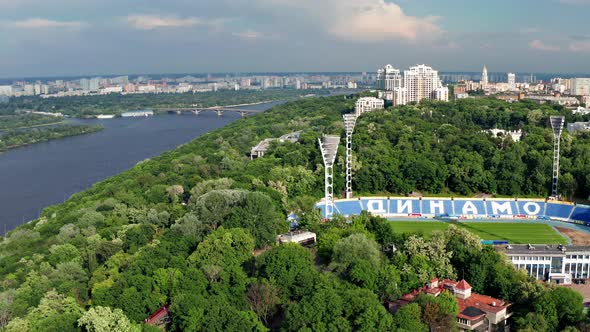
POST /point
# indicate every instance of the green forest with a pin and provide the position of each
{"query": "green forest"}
(90, 106)
(26, 121)
(16, 138)
(195, 229)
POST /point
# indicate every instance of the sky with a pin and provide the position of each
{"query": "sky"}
(93, 37)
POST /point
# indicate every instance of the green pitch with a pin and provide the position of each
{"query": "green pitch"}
(512, 232)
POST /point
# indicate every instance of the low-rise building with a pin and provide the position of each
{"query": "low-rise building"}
(260, 149)
(302, 237)
(476, 312)
(368, 104)
(515, 135)
(566, 101)
(555, 263)
(578, 126)
(581, 110)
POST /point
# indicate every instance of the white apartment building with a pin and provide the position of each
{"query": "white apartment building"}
(6, 90)
(389, 78)
(512, 81)
(441, 93)
(422, 82)
(580, 86)
(368, 104)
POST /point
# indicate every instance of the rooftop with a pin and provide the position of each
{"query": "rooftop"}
(474, 306)
(558, 250)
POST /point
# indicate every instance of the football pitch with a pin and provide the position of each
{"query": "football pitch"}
(517, 233)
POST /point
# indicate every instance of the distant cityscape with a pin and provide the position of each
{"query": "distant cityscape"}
(394, 86)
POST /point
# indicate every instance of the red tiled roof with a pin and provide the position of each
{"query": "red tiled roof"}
(482, 302)
(157, 316)
(463, 285)
(469, 308)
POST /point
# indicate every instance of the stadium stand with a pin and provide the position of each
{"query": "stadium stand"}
(559, 210)
(403, 207)
(581, 213)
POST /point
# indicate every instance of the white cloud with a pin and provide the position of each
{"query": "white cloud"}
(249, 35)
(150, 22)
(580, 46)
(357, 20)
(41, 23)
(541, 46)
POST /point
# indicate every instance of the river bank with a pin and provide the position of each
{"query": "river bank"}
(48, 173)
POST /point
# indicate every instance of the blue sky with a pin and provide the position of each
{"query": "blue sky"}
(83, 37)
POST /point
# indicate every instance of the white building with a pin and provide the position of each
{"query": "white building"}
(6, 90)
(484, 77)
(512, 81)
(580, 86)
(516, 135)
(111, 89)
(558, 264)
(441, 93)
(578, 126)
(421, 83)
(581, 110)
(389, 78)
(368, 104)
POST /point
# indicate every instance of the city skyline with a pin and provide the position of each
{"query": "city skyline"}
(66, 38)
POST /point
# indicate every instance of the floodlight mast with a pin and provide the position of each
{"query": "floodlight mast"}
(557, 123)
(329, 148)
(349, 123)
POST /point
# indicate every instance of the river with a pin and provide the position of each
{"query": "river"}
(43, 174)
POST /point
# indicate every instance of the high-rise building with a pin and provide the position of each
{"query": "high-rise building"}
(484, 77)
(580, 86)
(421, 83)
(512, 81)
(389, 78)
(84, 84)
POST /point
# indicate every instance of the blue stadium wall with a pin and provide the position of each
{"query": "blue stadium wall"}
(460, 208)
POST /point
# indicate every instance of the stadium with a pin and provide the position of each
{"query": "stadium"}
(508, 223)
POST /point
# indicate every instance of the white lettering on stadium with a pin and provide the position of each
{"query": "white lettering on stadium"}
(404, 206)
(527, 208)
(375, 206)
(469, 208)
(437, 205)
(501, 208)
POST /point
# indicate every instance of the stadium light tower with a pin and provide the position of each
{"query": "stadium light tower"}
(349, 123)
(329, 148)
(557, 126)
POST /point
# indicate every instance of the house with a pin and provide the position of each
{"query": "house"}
(302, 237)
(476, 312)
(159, 318)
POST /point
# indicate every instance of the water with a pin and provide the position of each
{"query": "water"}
(36, 176)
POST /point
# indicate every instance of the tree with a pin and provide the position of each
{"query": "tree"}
(103, 319)
(264, 299)
(409, 319)
(532, 322)
(440, 311)
(290, 267)
(55, 312)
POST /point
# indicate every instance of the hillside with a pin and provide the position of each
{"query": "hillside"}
(181, 229)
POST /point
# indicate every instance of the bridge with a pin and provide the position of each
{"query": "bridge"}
(199, 110)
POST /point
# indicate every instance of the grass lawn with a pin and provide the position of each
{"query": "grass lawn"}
(516, 233)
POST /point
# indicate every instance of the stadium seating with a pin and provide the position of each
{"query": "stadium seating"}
(558, 210)
(581, 213)
(521, 208)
